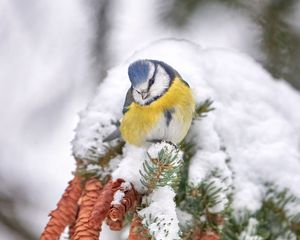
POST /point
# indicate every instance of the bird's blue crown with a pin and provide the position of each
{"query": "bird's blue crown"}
(138, 71)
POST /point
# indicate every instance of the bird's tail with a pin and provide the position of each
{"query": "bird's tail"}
(114, 135)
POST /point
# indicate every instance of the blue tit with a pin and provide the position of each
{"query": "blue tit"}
(159, 105)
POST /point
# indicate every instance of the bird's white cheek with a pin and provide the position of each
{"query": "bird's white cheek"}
(138, 98)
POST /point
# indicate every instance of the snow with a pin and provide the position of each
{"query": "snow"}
(203, 163)
(102, 172)
(126, 186)
(255, 123)
(173, 152)
(184, 218)
(250, 232)
(133, 158)
(129, 167)
(222, 200)
(160, 214)
(251, 121)
(118, 196)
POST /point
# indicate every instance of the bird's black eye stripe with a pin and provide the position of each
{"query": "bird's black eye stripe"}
(151, 80)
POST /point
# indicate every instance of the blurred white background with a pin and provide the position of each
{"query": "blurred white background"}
(54, 53)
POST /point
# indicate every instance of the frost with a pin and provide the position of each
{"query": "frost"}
(160, 214)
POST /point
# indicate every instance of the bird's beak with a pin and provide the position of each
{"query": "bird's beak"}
(144, 95)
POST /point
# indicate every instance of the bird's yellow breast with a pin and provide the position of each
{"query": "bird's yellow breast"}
(139, 120)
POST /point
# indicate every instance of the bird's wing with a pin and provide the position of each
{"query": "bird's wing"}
(117, 134)
(128, 100)
(114, 135)
(185, 82)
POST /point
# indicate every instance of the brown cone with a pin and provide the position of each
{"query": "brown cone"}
(117, 212)
(82, 229)
(65, 213)
(102, 205)
(207, 235)
(210, 236)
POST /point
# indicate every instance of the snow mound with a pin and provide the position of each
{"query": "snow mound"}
(160, 215)
(174, 153)
(255, 124)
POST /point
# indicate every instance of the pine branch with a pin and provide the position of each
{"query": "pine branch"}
(111, 153)
(99, 165)
(276, 211)
(208, 203)
(161, 168)
(203, 108)
(275, 219)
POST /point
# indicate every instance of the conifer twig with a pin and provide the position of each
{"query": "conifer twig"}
(66, 211)
(82, 229)
(202, 109)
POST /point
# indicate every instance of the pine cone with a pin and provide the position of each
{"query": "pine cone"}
(117, 211)
(218, 219)
(197, 234)
(102, 205)
(207, 235)
(82, 229)
(72, 230)
(114, 225)
(210, 236)
(137, 230)
(66, 211)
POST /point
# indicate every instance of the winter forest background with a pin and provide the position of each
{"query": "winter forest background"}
(54, 53)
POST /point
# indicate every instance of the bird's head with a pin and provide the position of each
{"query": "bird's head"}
(150, 79)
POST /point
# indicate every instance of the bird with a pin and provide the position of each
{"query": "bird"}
(159, 105)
